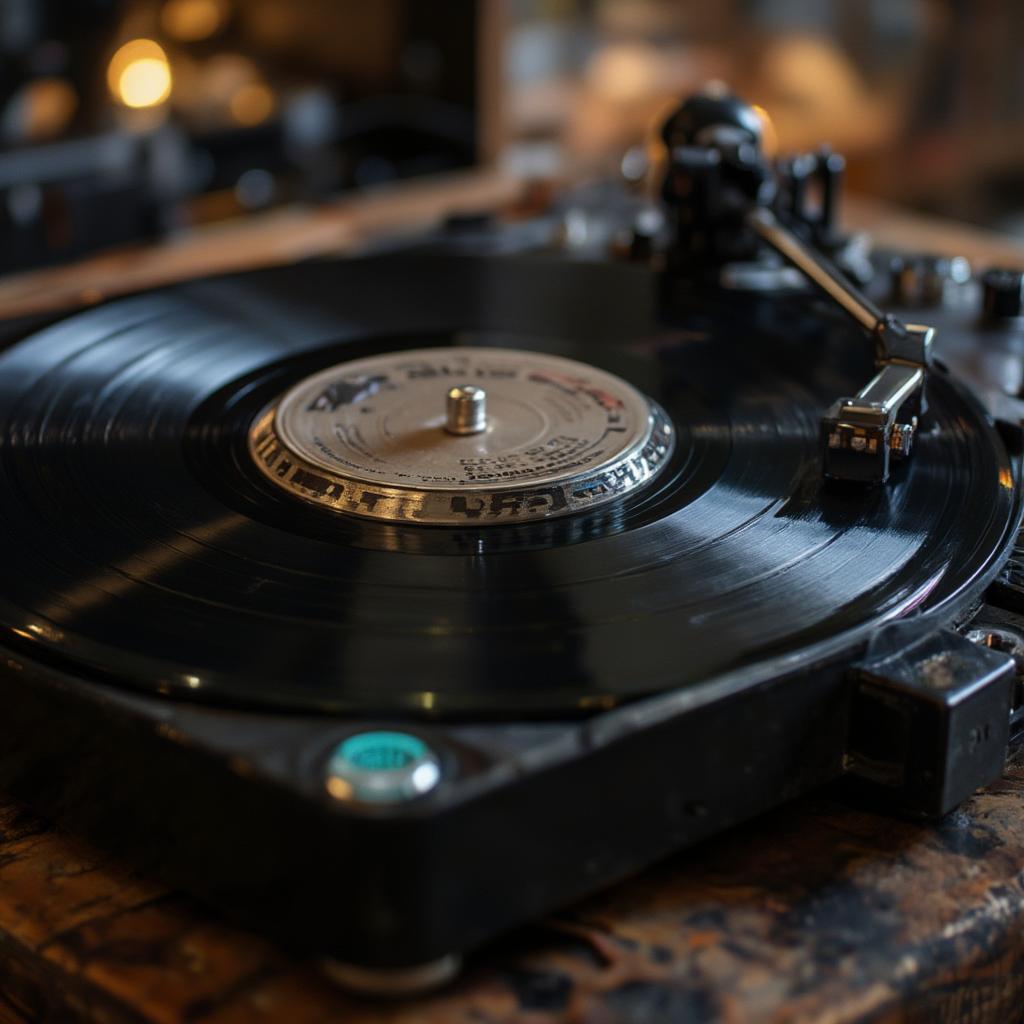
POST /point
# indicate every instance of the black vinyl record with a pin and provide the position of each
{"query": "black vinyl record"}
(140, 545)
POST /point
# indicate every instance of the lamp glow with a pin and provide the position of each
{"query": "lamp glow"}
(139, 74)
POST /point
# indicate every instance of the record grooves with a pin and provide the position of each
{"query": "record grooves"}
(140, 542)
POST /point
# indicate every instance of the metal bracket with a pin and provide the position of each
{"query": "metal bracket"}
(861, 434)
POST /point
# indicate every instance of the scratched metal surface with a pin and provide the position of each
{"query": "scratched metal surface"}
(820, 913)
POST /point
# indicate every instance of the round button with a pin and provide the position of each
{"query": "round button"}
(382, 767)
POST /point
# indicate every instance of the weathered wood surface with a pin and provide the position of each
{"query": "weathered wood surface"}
(819, 913)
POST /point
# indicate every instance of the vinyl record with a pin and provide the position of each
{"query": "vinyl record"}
(142, 545)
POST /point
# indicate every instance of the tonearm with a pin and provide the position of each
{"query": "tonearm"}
(726, 202)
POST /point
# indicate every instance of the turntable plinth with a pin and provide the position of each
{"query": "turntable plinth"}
(818, 912)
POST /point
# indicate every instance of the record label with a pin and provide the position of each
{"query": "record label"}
(448, 435)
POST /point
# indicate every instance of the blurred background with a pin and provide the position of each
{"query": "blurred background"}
(129, 120)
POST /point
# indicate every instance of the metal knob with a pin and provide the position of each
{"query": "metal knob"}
(382, 767)
(466, 410)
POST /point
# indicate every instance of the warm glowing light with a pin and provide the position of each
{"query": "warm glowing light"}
(144, 83)
(139, 74)
(44, 107)
(339, 788)
(192, 20)
(624, 72)
(252, 104)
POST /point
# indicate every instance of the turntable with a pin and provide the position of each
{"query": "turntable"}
(431, 591)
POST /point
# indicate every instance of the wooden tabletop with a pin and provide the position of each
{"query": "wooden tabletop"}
(820, 913)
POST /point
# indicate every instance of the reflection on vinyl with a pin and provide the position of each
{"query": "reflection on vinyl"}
(639, 507)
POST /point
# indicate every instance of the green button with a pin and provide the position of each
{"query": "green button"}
(382, 751)
(382, 767)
